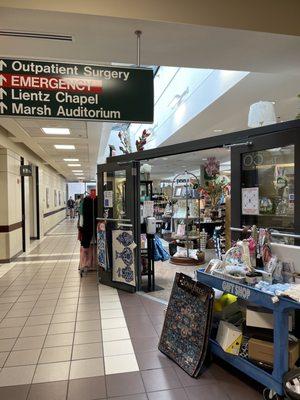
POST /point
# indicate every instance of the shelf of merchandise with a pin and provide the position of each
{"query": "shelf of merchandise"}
(184, 198)
(280, 310)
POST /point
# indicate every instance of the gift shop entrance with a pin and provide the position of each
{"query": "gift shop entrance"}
(175, 208)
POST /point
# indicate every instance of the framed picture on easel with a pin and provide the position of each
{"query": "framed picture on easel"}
(177, 191)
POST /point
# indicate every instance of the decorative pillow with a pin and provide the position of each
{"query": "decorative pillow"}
(182, 253)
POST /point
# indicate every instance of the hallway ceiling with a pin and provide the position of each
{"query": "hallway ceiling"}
(87, 137)
(230, 112)
(168, 167)
(100, 40)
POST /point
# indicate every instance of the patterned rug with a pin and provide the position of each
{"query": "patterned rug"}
(187, 324)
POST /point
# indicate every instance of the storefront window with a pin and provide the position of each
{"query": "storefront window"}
(268, 188)
(115, 193)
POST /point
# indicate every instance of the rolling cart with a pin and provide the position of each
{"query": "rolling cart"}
(272, 381)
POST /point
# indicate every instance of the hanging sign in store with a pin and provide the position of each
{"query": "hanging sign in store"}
(26, 170)
(57, 90)
(108, 198)
(250, 201)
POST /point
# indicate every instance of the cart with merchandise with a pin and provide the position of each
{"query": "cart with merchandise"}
(281, 308)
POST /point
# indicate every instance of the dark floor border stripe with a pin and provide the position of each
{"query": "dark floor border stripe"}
(49, 230)
(11, 259)
(54, 212)
(10, 228)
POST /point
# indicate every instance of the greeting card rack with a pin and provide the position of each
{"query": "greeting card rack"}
(186, 213)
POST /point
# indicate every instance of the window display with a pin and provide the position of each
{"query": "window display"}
(268, 188)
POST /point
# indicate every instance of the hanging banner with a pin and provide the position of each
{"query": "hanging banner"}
(74, 91)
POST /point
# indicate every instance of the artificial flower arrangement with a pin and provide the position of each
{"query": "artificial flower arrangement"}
(124, 137)
(142, 140)
(215, 189)
(211, 168)
(140, 143)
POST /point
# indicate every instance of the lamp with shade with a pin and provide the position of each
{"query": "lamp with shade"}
(261, 113)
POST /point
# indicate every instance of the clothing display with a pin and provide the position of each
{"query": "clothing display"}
(187, 325)
(89, 211)
(101, 246)
(123, 257)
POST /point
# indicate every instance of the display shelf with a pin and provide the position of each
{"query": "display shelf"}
(247, 367)
(189, 217)
(276, 215)
(280, 309)
(185, 237)
(189, 207)
(184, 198)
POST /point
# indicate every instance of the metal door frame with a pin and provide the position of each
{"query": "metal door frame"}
(132, 169)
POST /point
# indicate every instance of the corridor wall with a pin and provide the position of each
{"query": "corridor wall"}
(52, 197)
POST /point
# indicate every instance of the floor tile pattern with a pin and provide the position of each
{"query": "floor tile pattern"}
(65, 338)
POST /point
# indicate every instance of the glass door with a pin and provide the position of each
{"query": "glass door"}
(265, 184)
(117, 244)
(268, 180)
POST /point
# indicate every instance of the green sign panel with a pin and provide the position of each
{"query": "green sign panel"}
(74, 91)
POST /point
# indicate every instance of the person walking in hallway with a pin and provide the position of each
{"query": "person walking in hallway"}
(71, 207)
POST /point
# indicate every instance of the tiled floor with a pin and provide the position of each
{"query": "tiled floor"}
(62, 337)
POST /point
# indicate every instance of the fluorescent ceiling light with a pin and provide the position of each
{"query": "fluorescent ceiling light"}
(74, 165)
(56, 131)
(218, 130)
(64, 146)
(71, 159)
(77, 170)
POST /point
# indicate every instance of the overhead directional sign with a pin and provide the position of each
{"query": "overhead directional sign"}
(75, 91)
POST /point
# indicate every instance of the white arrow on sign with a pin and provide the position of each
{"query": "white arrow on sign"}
(2, 64)
(2, 107)
(2, 93)
(2, 79)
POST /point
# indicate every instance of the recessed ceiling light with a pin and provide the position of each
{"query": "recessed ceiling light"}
(71, 159)
(56, 131)
(64, 146)
(218, 130)
(77, 170)
(74, 165)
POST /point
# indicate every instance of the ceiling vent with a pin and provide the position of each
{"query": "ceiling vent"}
(32, 35)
